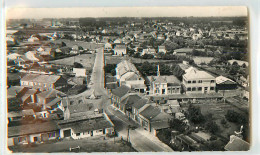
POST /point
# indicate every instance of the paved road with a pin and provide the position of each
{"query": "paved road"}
(140, 140)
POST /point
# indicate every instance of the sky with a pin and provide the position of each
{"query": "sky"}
(75, 12)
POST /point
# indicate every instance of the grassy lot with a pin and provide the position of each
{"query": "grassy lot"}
(92, 144)
(87, 60)
(219, 110)
(117, 59)
(85, 45)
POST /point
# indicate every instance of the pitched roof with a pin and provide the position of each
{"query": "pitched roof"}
(82, 107)
(197, 74)
(160, 125)
(28, 112)
(48, 94)
(237, 144)
(130, 99)
(140, 103)
(14, 90)
(165, 79)
(221, 80)
(41, 78)
(32, 128)
(150, 112)
(53, 102)
(121, 91)
(183, 50)
(88, 124)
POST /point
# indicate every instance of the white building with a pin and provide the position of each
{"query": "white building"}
(196, 81)
(120, 50)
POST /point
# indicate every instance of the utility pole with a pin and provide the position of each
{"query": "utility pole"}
(128, 136)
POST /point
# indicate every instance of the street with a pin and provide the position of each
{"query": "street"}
(138, 137)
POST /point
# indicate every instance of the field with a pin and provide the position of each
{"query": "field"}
(91, 144)
(87, 60)
(117, 59)
(219, 110)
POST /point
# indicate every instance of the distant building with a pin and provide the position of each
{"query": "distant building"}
(183, 51)
(224, 83)
(148, 51)
(127, 74)
(43, 82)
(160, 85)
(161, 49)
(80, 72)
(196, 81)
(108, 46)
(202, 60)
(120, 50)
(239, 62)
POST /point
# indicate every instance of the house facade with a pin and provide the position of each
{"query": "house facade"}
(120, 50)
(196, 81)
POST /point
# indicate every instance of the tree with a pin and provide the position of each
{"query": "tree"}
(81, 48)
(78, 65)
(177, 125)
(236, 117)
(194, 114)
(212, 127)
(113, 72)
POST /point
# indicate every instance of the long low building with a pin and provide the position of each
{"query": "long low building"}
(76, 127)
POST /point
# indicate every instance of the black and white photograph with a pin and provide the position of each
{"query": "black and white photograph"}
(128, 79)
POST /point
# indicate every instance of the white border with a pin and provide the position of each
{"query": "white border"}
(254, 14)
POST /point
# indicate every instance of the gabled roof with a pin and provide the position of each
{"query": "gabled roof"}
(237, 144)
(41, 78)
(14, 90)
(88, 124)
(130, 99)
(140, 103)
(48, 94)
(224, 80)
(160, 79)
(150, 112)
(121, 91)
(53, 102)
(32, 128)
(197, 74)
(28, 112)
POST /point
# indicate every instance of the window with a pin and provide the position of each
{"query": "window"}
(157, 91)
(212, 81)
(188, 89)
(21, 139)
(163, 91)
(101, 130)
(193, 88)
(77, 134)
(199, 88)
(200, 81)
(212, 88)
(189, 81)
(52, 134)
(193, 81)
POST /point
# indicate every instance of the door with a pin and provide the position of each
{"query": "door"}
(67, 133)
(104, 131)
(35, 139)
(91, 133)
(205, 90)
